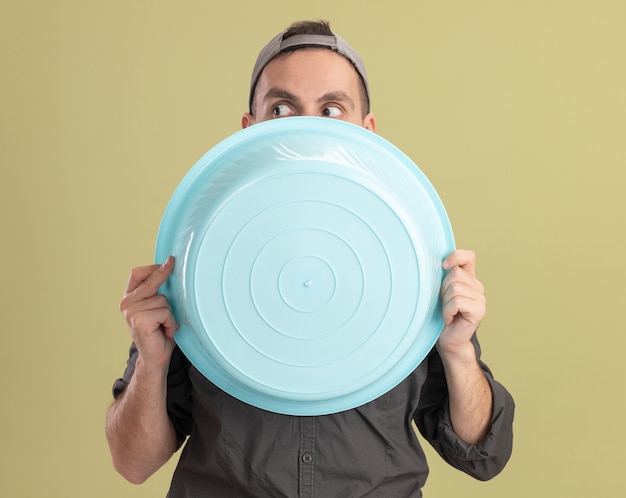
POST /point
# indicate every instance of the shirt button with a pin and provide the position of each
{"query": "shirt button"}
(307, 458)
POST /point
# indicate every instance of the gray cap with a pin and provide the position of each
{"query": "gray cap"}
(277, 45)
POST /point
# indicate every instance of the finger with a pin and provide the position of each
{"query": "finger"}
(471, 309)
(146, 322)
(461, 291)
(461, 258)
(458, 288)
(150, 314)
(138, 276)
(146, 280)
(459, 276)
(449, 311)
(156, 302)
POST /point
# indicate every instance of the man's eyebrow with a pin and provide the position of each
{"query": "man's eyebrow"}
(279, 93)
(338, 96)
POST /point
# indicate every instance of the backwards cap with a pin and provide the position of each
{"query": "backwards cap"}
(278, 45)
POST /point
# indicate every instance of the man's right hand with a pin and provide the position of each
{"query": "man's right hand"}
(149, 317)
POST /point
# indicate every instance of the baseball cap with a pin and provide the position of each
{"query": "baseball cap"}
(278, 45)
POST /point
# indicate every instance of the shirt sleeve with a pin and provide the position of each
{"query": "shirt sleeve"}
(484, 460)
(178, 390)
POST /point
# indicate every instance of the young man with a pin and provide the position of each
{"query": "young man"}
(234, 449)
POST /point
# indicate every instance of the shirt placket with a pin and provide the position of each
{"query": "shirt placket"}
(306, 456)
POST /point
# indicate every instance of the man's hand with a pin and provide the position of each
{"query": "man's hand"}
(463, 302)
(151, 322)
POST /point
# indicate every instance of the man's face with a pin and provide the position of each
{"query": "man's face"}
(311, 82)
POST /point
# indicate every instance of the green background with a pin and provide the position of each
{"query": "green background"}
(515, 110)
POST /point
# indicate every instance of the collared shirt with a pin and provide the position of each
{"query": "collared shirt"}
(235, 450)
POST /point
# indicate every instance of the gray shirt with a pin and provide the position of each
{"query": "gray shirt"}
(236, 450)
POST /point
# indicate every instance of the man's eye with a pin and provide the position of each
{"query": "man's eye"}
(331, 111)
(281, 110)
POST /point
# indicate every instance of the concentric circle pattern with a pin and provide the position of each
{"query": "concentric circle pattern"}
(308, 265)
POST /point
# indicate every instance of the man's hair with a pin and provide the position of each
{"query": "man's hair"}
(314, 28)
(308, 28)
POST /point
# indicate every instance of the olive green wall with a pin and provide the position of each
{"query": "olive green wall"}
(515, 110)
